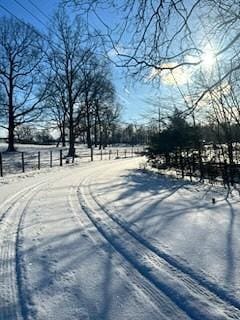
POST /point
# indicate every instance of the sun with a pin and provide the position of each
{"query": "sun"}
(208, 58)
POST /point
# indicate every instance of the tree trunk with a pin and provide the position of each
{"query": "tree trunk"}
(100, 139)
(95, 132)
(71, 150)
(100, 130)
(63, 133)
(89, 141)
(11, 124)
(105, 138)
(11, 147)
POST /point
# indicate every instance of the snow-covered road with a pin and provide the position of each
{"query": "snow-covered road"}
(106, 241)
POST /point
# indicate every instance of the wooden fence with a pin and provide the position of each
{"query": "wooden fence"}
(200, 167)
(17, 162)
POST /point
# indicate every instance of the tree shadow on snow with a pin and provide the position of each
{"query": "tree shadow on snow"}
(147, 208)
(85, 275)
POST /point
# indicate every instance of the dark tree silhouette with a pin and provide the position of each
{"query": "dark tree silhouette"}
(152, 37)
(21, 70)
(70, 51)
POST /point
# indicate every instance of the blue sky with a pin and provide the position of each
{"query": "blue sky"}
(131, 97)
(131, 93)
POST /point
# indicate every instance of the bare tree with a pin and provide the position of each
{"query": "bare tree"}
(25, 133)
(21, 70)
(99, 107)
(70, 51)
(151, 37)
(56, 105)
(225, 111)
(101, 100)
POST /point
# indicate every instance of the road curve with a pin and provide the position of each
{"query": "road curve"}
(64, 256)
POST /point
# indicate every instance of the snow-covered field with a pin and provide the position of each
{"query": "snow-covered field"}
(107, 241)
(30, 157)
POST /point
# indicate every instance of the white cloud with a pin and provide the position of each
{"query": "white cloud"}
(172, 76)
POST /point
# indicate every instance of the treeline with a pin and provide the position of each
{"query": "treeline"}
(118, 133)
(206, 151)
(61, 82)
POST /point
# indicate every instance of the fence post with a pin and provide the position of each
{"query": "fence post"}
(125, 151)
(23, 164)
(181, 164)
(101, 153)
(39, 160)
(1, 165)
(61, 158)
(109, 156)
(91, 153)
(190, 168)
(73, 157)
(132, 152)
(117, 153)
(51, 159)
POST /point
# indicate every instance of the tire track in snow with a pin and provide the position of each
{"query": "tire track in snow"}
(183, 268)
(12, 298)
(10, 202)
(168, 309)
(196, 300)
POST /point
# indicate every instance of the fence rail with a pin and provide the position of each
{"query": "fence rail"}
(17, 162)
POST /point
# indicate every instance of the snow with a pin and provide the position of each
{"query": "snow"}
(49, 156)
(106, 240)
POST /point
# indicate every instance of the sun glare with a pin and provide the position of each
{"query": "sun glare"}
(208, 58)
